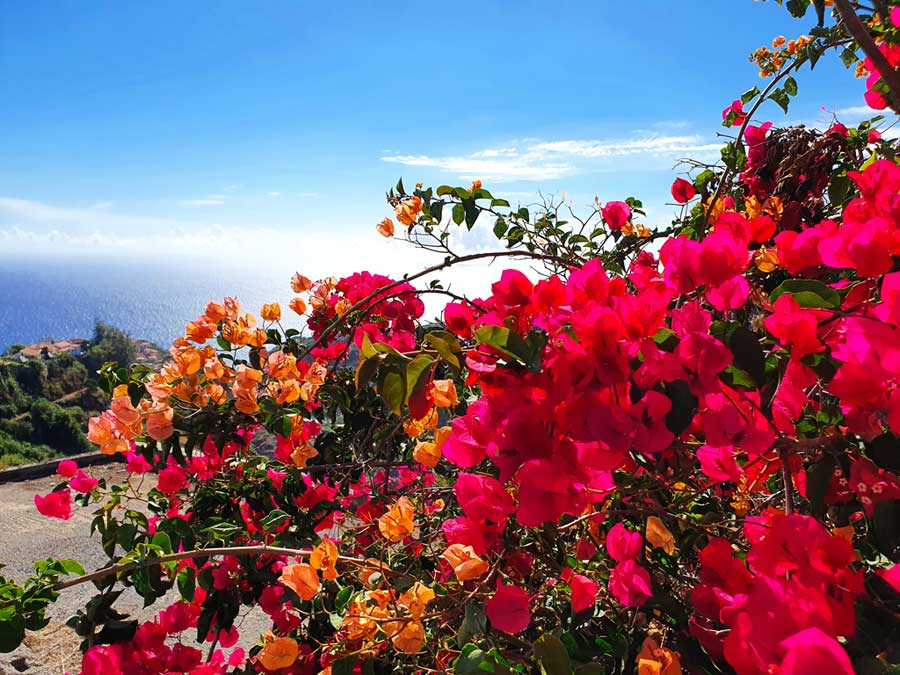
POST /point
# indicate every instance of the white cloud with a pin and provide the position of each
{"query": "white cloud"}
(541, 160)
(856, 111)
(499, 169)
(203, 202)
(102, 205)
(273, 194)
(308, 194)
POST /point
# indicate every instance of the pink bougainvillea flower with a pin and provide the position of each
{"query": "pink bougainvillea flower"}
(67, 468)
(813, 651)
(737, 108)
(630, 584)
(508, 609)
(55, 505)
(584, 590)
(102, 660)
(683, 191)
(623, 544)
(136, 463)
(81, 482)
(171, 480)
(616, 214)
(718, 464)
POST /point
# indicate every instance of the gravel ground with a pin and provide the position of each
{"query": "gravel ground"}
(26, 536)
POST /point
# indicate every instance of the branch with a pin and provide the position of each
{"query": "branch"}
(863, 38)
(198, 553)
(425, 272)
(726, 175)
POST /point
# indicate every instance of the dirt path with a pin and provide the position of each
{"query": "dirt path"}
(26, 536)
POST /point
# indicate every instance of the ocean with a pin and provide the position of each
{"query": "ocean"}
(61, 298)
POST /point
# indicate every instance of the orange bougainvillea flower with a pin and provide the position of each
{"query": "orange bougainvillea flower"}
(765, 259)
(427, 454)
(215, 311)
(408, 210)
(271, 312)
(443, 393)
(656, 660)
(414, 428)
(284, 392)
(279, 653)
(416, 599)
(370, 569)
(105, 432)
(465, 562)
(302, 454)
(441, 435)
(302, 579)
(342, 306)
(159, 422)
(324, 557)
(298, 305)
(385, 228)
(397, 523)
(476, 185)
(406, 636)
(659, 536)
(300, 283)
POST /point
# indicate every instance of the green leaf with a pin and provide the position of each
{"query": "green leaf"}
(366, 349)
(839, 189)
(781, 98)
(446, 345)
(551, 655)
(499, 202)
(471, 212)
(444, 190)
(471, 660)
(12, 632)
(437, 210)
(790, 86)
(797, 8)
(187, 583)
(459, 214)
(749, 95)
(474, 623)
(274, 519)
(415, 370)
(500, 228)
(162, 540)
(734, 155)
(71, 566)
(808, 293)
(365, 371)
(343, 597)
(849, 56)
(393, 390)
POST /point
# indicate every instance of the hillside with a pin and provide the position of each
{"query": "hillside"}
(49, 390)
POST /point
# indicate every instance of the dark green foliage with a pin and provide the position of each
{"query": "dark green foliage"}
(108, 344)
(58, 427)
(45, 402)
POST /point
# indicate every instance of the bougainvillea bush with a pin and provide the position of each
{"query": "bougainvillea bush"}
(665, 450)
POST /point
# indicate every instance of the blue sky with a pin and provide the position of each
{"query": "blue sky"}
(180, 124)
